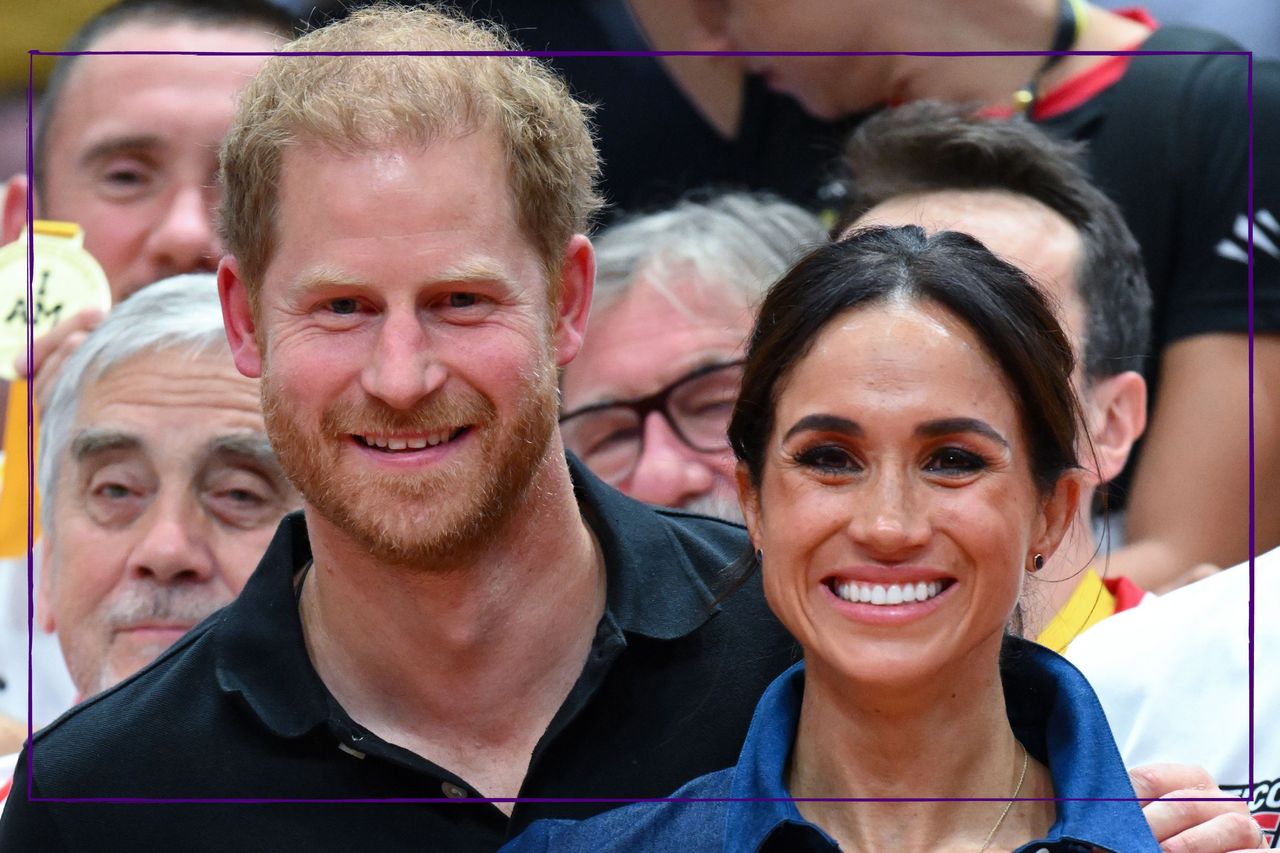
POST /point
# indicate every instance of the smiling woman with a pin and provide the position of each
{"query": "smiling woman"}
(905, 437)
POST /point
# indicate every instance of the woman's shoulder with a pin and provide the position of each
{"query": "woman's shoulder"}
(685, 821)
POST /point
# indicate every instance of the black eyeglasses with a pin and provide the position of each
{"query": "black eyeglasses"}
(609, 437)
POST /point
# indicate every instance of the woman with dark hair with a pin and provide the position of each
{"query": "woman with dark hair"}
(906, 442)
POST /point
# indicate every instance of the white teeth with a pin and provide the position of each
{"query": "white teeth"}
(887, 595)
(394, 444)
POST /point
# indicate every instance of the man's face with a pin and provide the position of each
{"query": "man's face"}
(1020, 230)
(638, 346)
(409, 366)
(132, 151)
(166, 500)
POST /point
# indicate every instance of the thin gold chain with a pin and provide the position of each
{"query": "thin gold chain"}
(1009, 805)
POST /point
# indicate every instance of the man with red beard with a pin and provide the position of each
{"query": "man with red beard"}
(459, 617)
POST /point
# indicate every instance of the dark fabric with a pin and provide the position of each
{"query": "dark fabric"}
(1169, 143)
(236, 710)
(654, 143)
(1051, 707)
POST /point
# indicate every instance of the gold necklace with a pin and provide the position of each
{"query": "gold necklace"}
(1009, 805)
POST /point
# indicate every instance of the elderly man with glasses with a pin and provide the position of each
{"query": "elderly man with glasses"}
(648, 399)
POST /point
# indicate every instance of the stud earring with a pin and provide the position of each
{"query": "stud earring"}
(1037, 563)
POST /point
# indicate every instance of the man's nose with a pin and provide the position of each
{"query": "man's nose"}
(174, 543)
(402, 370)
(184, 238)
(668, 472)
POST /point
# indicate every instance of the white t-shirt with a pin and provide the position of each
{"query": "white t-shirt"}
(1173, 677)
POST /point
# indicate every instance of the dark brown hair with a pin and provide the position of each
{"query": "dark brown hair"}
(1010, 318)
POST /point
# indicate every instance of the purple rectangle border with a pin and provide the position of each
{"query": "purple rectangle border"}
(547, 54)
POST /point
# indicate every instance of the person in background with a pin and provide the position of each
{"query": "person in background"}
(160, 488)
(646, 404)
(126, 147)
(1199, 695)
(1169, 141)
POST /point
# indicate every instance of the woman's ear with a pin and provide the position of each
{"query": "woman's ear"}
(1057, 512)
(749, 500)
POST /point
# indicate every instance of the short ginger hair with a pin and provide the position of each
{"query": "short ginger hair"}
(360, 103)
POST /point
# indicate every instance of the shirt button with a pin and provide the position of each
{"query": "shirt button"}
(453, 792)
(1044, 850)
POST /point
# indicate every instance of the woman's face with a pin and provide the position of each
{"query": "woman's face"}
(898, 472)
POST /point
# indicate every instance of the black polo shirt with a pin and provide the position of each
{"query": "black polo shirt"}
(235, 710)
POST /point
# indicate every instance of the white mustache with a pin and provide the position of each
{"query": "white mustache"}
(146, 602)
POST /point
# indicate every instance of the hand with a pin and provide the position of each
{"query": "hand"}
(1193, 827)
(49, 352)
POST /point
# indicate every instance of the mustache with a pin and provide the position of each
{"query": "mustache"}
(374, 417)
(145, 602)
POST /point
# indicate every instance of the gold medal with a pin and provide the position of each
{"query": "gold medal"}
(67, 280)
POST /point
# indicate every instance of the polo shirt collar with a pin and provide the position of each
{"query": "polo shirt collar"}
(1053, 711)
(262, 654)
(652, 587)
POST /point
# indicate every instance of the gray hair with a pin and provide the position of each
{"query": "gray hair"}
(737, 241)
(180, 313)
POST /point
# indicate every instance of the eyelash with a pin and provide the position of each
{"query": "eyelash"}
(813, 457)
(819, 458)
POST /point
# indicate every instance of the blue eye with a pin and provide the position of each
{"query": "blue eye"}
(343, 306)
(462, 300)
(953, 460)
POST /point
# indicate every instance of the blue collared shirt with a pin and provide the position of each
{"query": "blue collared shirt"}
(1053, 712)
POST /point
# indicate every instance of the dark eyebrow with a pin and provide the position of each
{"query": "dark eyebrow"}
(251, 447)
(94, 442)
(950, 426)
(825, 423)
(113, 145)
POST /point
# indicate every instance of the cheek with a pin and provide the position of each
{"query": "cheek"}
(238, 555)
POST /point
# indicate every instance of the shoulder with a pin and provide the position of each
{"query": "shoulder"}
(680, 823)
(171, 704)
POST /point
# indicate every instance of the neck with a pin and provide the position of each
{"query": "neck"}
(430, 657)
(948, 738)
(1010, 25)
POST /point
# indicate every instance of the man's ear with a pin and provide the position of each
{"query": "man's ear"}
(1058, 511)
(44, 589)
(1117, 416)
(15, 209)
(577, 282)
(238, 319)
(749, 500)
